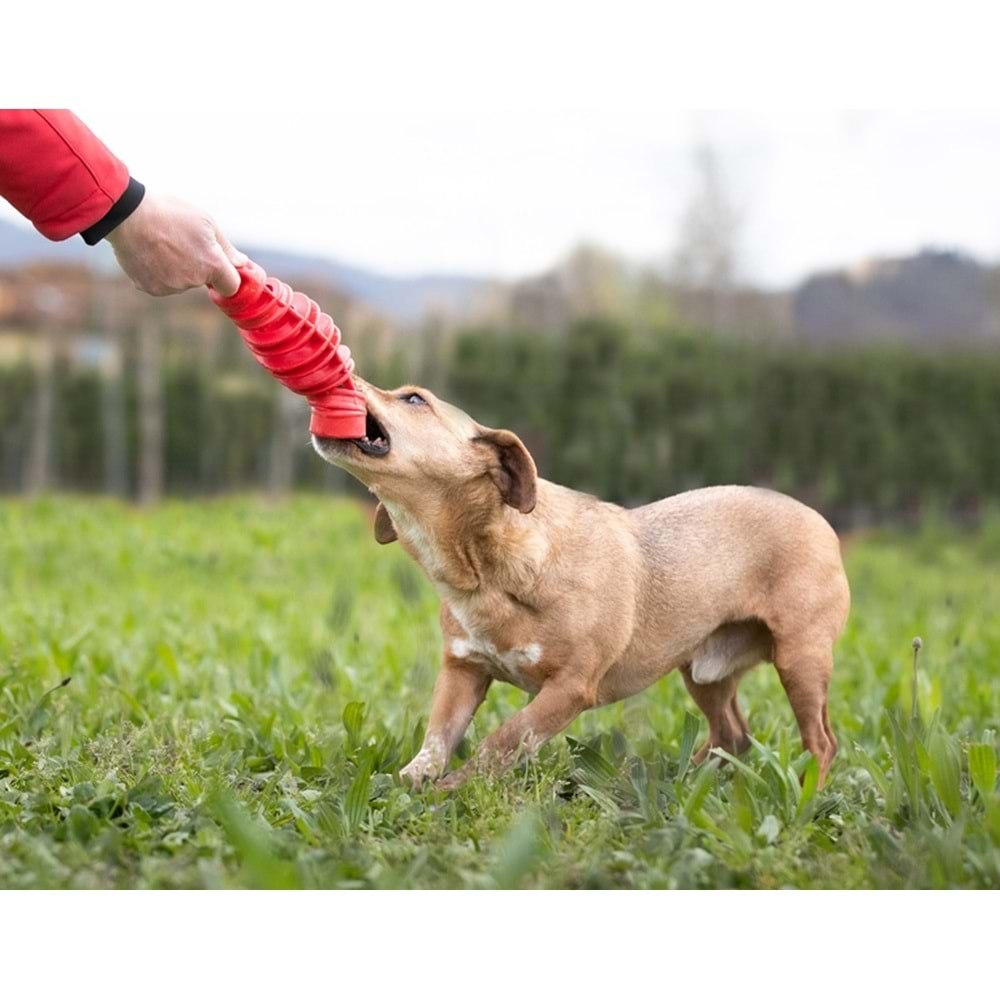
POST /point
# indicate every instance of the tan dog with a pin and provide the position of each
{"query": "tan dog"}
(581, 602)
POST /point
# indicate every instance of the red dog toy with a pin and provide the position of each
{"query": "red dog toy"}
(300, 347)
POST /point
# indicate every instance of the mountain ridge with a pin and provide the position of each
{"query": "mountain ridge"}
(403, 298)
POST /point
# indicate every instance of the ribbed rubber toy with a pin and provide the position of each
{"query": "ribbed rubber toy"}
(300, 346)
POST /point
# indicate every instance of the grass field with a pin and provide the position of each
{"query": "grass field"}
(219, 694)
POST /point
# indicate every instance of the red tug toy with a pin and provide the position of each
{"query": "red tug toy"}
(300, 346)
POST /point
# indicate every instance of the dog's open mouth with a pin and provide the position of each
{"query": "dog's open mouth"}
(376, 440)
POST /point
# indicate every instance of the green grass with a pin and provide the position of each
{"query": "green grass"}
(219, 694)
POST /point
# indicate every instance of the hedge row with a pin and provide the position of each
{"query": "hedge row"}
(862, 433)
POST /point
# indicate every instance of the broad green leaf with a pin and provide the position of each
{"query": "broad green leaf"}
(946, 770)
(253, 843)
(769, 829)
(519, 851)
(907, 773)
(688, 737)
(40, 712)
(983, 768)
(598, 768)
(82, 823)
(702, 786)
(878, 775)
(810, 781)
(740, 766)
(601, 797)
(356, 800)
(784, 777)
(354, 718)
(743, 802)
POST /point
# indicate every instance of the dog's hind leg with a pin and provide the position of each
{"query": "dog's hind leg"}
(726, 726)
(736, 710)
(713, 676)
(804, 666)
(806, 616)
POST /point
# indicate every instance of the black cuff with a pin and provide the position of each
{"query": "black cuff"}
(119, 212)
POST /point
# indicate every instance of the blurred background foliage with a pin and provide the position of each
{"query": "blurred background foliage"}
(866, 433)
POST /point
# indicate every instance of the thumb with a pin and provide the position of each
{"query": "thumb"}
(232, 254)
(225, 279)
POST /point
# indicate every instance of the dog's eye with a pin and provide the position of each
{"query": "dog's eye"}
(413, 397)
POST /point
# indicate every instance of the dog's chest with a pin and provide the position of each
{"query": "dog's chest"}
(514, 664)
(420, 543)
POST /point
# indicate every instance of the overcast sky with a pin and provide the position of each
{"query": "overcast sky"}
(509, 194)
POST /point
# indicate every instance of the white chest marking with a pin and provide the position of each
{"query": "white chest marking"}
(513, 662)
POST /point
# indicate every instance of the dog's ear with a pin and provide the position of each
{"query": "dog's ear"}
(512, 468)
(385, 530)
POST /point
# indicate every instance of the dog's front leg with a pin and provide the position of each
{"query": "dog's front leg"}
(458, 691)
(551, 711)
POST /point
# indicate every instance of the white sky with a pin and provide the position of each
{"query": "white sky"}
(510, 193)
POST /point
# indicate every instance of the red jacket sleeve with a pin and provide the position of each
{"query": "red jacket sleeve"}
(55, 171)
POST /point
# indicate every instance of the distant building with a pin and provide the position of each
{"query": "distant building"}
(46, 293)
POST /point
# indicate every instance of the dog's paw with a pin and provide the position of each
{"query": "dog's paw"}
(411, 775)
(419, 770)
(454, 780)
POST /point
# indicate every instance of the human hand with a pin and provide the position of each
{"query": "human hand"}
(167, 246)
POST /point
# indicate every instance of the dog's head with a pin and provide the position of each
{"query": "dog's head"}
(424, 455)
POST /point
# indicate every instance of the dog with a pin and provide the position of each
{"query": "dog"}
(581, 602)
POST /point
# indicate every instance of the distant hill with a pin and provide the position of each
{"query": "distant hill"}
(20, 245)
(934, 297)
(406, 299)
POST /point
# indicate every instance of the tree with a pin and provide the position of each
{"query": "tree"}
(38, 466)
(705, 261)
(150, 388)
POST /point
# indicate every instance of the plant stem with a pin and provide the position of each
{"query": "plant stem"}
(917, 644)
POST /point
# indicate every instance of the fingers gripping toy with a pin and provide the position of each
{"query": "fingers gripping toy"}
(300, 347)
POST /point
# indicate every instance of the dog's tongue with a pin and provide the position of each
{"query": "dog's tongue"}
(300, 346)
